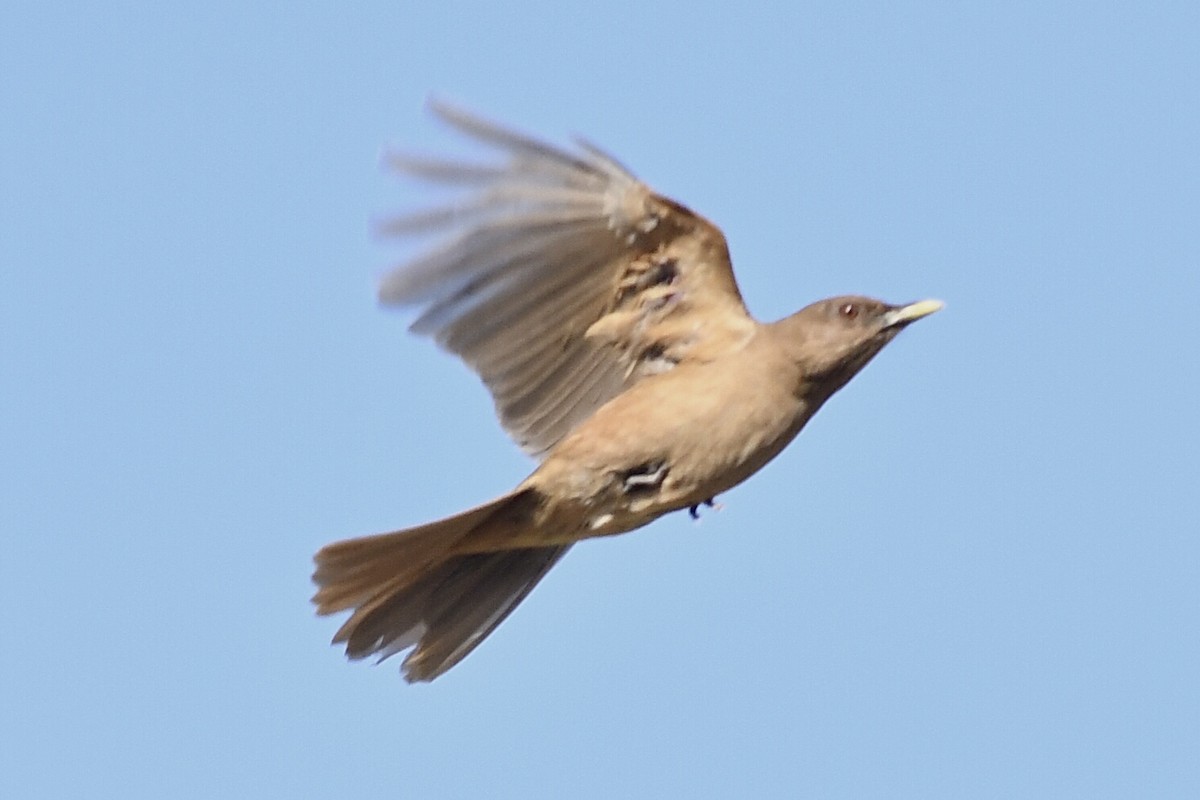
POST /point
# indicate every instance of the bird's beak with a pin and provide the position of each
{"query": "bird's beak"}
(911, 312)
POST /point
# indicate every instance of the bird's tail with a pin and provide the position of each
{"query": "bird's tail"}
(432, 586)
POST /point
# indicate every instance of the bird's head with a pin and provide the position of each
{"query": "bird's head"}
(832, 339)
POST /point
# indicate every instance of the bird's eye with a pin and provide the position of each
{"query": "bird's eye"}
(848, 310)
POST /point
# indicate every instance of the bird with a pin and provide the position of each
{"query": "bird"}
(605, 321)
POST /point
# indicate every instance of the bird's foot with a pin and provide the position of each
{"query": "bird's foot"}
(694, 510)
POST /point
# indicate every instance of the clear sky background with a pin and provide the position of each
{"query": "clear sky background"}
(973, 575)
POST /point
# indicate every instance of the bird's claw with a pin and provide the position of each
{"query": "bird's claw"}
(694, 510)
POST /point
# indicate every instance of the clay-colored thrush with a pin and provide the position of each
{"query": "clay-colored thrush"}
(606, 322)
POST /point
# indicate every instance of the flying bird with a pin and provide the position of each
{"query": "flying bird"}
(605, 320)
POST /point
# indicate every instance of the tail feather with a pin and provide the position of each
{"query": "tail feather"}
(351, 572)
(429, 587)
(448, 610)
(482, 598)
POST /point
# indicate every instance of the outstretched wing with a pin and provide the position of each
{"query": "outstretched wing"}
(562, 279)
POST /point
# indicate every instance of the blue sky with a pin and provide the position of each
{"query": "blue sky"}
(973, 575)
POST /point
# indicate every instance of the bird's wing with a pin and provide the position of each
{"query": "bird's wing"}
(562, 279)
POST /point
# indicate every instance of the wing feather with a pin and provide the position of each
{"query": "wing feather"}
(562, 279)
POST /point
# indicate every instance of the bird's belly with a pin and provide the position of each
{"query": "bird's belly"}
(635, 461)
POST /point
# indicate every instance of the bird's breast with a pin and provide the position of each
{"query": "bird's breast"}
(672, 441)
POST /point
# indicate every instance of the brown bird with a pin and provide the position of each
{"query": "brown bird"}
(605, 320)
